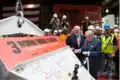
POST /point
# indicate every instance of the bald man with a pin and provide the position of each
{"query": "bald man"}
(92, 50)
(98, 31)
(75, 41)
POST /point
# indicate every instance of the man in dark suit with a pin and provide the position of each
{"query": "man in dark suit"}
(86, 23)
(92, 50)
(75, 41)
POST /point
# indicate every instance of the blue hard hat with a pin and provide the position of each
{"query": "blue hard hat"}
(111, 27)
(107, 26)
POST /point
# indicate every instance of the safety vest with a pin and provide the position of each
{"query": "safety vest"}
(107, 44)
(63, 37)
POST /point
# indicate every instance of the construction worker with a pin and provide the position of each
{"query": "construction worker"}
(46, 32)
(60, 32)
(116, 27)
(64, 35)
(50, 32)
(91, 27)
(109, 43)
(55, 33)
(112, 29)
(116, 33)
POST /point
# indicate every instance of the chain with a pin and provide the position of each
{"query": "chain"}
(19, 6)
(19, 13)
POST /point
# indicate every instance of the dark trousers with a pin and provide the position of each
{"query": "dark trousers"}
(93, 72)
(80, 57)
(116, 60)
(117, 69)
(93, 69)
(84, 30)
(108, 59)
(95, 66)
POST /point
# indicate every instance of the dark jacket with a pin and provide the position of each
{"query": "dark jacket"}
(72, 41)
(95, 55)
(85, 26)
(55, 23)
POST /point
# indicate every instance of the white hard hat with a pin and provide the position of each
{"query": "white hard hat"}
(111, 27)
(60, 31)
(64, 16)
(98, 28)
(116, 30)
(46, 30)
(50, 30)
(115, 26)
(55, 15)
(55, 31)
(86, 17)
(91, 27)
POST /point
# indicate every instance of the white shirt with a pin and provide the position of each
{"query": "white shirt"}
(78, 39)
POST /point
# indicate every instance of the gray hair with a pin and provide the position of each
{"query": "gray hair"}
(89, 32)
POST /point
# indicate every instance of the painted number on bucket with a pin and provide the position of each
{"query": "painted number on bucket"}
(13, 45)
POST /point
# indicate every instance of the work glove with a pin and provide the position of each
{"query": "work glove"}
(86, 53)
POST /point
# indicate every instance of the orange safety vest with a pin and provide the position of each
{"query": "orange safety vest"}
(63, 37)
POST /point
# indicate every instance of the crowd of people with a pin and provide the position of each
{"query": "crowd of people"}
(58, 23)
(100, 46)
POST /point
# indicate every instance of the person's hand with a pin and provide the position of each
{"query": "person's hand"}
(113, 55)
(77, 51)
(86, 53)
(73, 49)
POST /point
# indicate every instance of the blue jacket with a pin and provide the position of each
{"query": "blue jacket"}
(94, 49)
(95, 55)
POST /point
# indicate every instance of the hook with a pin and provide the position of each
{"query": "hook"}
(19, 6)
(19, 12)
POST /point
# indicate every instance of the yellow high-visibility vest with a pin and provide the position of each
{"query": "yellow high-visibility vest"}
(107, 44)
